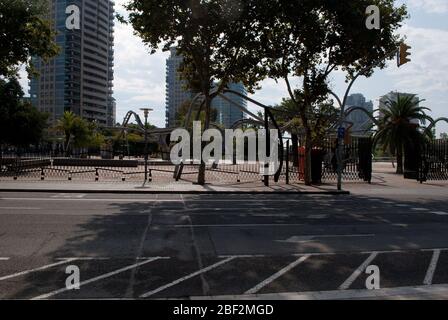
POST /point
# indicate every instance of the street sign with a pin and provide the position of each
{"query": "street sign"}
(341, 133)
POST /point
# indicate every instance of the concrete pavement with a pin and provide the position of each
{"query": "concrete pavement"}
(182, 246)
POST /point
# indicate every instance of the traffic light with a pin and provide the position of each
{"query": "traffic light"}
(403, 54)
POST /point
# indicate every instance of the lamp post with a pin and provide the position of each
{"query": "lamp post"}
(146, 114)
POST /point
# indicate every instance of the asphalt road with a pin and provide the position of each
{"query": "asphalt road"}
(174, 246)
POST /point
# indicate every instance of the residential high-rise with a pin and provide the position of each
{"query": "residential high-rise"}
(80, 78)
(393, 96)
(177, 95)
(228, 113)
(361, 121)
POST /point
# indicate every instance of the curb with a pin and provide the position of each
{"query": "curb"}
(211, 192)
(399, 293)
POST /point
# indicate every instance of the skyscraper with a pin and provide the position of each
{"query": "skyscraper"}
(361, 121)
(177, 95)
(80, 78)
(228, 114)
(393, 96)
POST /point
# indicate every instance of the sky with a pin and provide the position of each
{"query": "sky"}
(140, 77)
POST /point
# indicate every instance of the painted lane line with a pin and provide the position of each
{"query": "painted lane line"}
(18, 208)
(192, 275)
(277, 275)
(22, 273)
(234, 225)
(310, 238)
(84, 258)
(441, 249)
(4, 258)
(402, 205)
(419, 209)
(432, 268)
(440, 213)
(101, 277)
(170, 200)
(347, 283)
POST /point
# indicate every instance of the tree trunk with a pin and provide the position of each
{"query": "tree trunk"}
(295, 150)
(308, 150)
(202, 166)
(400, 161)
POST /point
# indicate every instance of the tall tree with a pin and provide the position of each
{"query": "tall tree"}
(20, 123)
(78, 132)
(24, 33)
(310, 39)
(399, 126)
(212, 36)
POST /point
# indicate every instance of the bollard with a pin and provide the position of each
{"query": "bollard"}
(97, 176)
(42, 174)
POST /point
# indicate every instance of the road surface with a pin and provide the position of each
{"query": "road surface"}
(182, 246)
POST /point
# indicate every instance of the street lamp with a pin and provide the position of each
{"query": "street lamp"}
(146, 114)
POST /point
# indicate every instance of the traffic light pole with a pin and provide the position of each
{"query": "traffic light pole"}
(342, 104)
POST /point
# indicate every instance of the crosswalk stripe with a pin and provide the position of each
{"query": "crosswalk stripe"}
(192, 275)
(432, 267)
(101, 277)
(277, 275)
(347, 283)
(22, 273)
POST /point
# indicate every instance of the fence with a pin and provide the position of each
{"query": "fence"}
(434, 161)
(39, 165)
(357, 161)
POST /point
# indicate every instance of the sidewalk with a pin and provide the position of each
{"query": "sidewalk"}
(384, 182)
(434, 292)
(151, 187)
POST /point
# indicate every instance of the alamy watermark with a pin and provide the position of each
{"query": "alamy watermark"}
(237, 146)
(73, 21)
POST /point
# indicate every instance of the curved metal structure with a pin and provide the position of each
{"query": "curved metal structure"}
(433, 124)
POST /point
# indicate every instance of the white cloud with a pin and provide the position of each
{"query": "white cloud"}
(427, 72)
(430, 6)
(139, 76)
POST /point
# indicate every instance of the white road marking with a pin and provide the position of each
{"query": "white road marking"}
(84, 258)
(309, 238)
(18, 208)
(402, 205)
(318, 216)
(432, 268)
(69, 196)
(276, 275)
(172, 200)
(234, 225)
(4, 258)
(22, 273)
(192, 275)
(440, 213)
(419, 209)
(347, 283)
(101, 277)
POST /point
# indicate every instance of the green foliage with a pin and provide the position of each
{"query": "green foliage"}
(20, 123)
(182, 112)
(78, 132)
(23, 33)
(310, 39)
(321, 120)
(396, 130)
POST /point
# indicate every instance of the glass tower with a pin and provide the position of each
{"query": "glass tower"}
(80, 78)
(177, 95)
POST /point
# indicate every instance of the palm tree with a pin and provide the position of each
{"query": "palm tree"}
(66, 125)
(398, 128)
